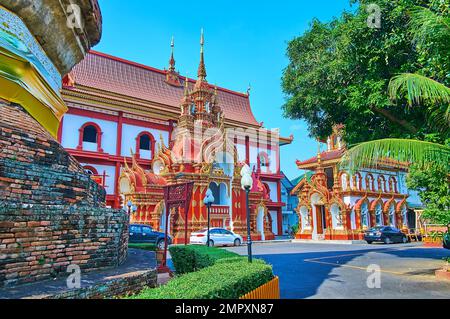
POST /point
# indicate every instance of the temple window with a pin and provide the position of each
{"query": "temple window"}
(357, 181)
(365, 222)
(370, 182)
(330, 177)
(305, 219)
(90, 170)
(392, 184)
(336, 216)
(344, 181)
(90, 138)
(392, 215)
(145, 145)
(381, 183)
(379, 215)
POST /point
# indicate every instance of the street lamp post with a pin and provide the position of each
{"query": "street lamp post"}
(131, 208)
(247, 183)
(208, 200)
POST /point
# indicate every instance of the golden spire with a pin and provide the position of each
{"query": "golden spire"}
(201, 68)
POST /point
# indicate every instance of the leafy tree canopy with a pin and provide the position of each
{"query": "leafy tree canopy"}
(339, 72)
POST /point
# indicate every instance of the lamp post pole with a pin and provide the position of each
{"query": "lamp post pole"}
(249, 237)
(208, 201)
(208, 205)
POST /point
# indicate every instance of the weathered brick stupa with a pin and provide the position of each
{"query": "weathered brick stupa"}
(52, 214)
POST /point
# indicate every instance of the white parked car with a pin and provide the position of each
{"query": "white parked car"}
(217, 237)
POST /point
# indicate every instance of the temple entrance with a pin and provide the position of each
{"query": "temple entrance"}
(320, 219)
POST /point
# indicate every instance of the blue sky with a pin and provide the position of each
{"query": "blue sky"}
(245, 43)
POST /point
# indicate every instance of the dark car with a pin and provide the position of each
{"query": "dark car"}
(146, 234)
(385, 234)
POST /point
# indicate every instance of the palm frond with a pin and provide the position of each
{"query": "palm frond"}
(371, 154)
(419, 88)
(426, 24)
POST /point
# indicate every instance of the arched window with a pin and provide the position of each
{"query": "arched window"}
(145, 145)
(392, 184)
(357, 181)
(216, 192)
(382, 183)
(336, 216)
(90, 170)
(379, 214)
(305, 219)
(370, 182)
(365, 220)
(344, 181)
(392, 215)
(263, 161)
(90, 137)
(90, 134)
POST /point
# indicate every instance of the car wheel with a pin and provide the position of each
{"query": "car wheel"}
(387, 241)
(160, 244)
(369, 242)
(404, 239)
(211, 243)
(237, 242)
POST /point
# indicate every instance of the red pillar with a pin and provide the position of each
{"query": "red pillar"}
(280, 222)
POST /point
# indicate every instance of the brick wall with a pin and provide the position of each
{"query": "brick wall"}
(119, 287)
(51, 213)
(39, 242)
(35, 168)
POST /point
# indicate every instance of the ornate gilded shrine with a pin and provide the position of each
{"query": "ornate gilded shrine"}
(200, 151)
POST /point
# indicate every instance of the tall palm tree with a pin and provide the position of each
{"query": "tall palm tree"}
(419, 90)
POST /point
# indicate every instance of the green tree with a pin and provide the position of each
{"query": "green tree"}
(339, 72)
(432, 185)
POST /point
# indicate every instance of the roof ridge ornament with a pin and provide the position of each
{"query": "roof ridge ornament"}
(172, 76)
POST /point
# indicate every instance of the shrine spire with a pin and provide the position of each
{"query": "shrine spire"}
(201, 68)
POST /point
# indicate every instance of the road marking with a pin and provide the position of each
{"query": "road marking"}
(318, 261)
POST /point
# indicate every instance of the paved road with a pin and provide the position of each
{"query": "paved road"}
(330, 271)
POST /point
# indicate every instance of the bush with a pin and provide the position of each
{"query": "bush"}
(237, 259)
(224, 280)
(191, 258)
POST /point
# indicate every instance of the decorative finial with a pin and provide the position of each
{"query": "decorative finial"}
(249, 89)
(172, 59)
(201, 67)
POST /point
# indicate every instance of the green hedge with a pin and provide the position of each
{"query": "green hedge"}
(191, 258)
(224, 280)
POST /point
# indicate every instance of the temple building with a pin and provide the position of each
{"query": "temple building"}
(136, 129)
(335, 204)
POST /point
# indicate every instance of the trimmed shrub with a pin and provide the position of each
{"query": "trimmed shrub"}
(191, 258)
(237, 259)
(224, 280)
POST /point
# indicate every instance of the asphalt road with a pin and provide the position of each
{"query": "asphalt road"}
(333, 271)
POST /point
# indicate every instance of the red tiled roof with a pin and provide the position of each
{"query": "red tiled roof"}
(112, 74)
(324, 156)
